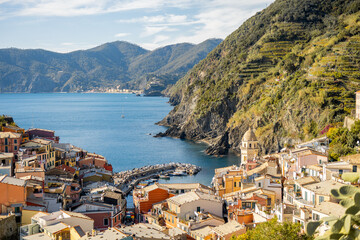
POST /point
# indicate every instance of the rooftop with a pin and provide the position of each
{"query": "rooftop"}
(12, 181)
(111, 233)
(56, 227)
(249, 136)
(38, 236)
(324, 188)
(193, 196)
(9, 135)
(202, 232)
(330, 208)
(228, 228)
(307, 180)
(144, 231)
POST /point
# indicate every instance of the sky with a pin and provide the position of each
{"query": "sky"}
(69, 25)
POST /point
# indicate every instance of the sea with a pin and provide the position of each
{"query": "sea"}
(120, 127)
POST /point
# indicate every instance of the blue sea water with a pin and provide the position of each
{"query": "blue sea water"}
(94, 122)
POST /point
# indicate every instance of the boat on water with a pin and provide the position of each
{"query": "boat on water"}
(164, 176)
(179, 173)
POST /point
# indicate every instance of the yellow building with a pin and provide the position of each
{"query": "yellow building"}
(47, 154)
(228, 180)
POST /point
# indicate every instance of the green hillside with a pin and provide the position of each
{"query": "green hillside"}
(288, 71)
(109, 65)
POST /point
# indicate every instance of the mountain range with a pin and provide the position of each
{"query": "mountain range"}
(291, 72)
(111, 65)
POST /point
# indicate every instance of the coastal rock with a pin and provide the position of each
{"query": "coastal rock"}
(275, 74)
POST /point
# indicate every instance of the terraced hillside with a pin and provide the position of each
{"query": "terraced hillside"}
(288, 71)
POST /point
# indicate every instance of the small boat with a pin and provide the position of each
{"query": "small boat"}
(122, 116)
(165, 176)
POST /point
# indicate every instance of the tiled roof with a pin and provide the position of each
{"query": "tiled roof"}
(228, 228)
(13, 181)
(9, 135)
(193, 196)
(330, 208)
(144, 231)
(323, 188)
(56, 227)
(307, 180)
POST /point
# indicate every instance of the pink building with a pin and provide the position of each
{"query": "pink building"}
(10, 142)
(310, 159)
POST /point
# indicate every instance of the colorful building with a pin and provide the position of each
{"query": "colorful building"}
(10, 142)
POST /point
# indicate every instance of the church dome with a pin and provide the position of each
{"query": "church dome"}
(249, 136)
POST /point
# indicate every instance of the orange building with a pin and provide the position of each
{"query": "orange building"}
(14, 193)
(10, 142)
(228, 180)
(15, 129)
(146, 197)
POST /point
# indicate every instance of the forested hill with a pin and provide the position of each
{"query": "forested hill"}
(289, 71)
(109, 65)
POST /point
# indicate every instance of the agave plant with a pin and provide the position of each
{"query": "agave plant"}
(347, 226)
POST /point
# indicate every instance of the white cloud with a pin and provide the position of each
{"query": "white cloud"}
(120, 35)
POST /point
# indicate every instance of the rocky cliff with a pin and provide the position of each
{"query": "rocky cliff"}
(288, 71)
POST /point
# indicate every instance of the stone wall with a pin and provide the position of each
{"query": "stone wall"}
(8, 228)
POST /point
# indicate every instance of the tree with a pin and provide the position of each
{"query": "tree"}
(274, 230)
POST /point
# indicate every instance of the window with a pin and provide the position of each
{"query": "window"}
(119, 217)
(198, 209)
(6, 141)
(321, 199)
(6, 148)
(234, 184)
(15, 148)
(306, 196)
(313, 200)
(15, 141)
(249, 145)
(316, 217)
(172, 219)
(259, 184)
(106, 221)
(355, 168)
(341, 171)
(269, 201)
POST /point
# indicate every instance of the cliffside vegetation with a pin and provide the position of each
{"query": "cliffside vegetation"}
(107, 66)
(289, 71)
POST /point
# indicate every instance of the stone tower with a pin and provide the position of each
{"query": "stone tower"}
(249, 147)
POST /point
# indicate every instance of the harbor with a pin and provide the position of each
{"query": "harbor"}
(129, 179)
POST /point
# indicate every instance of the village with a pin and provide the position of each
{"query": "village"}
(54, 190)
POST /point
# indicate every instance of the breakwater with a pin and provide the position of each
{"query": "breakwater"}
(127, 180)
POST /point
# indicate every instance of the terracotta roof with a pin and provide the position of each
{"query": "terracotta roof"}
(66, 168)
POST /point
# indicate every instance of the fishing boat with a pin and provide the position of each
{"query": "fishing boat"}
(164, 176)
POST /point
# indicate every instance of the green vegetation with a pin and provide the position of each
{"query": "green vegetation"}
(274, 230)
(290, 71)
(344, 141)
(109, 65)
(347, 226)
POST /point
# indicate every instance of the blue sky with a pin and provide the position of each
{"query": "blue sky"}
(68, 25)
